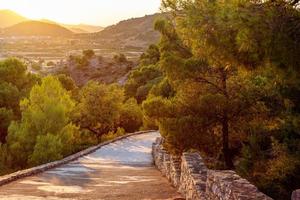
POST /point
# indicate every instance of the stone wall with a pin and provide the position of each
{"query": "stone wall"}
(296, 195)
(195, 182)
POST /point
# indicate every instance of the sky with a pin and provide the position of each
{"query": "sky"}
(94, 12)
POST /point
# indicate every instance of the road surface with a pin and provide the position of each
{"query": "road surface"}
(120, 170)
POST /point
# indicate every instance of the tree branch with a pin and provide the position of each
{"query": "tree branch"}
(92, 130)
(203, 80)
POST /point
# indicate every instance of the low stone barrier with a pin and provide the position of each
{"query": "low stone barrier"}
(35, 170)
(296, 195)
(195, 182)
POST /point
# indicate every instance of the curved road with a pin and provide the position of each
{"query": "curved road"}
(121, 170)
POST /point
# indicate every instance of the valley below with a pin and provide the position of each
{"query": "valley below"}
(46, 46)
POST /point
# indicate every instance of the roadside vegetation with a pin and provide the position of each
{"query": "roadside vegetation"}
(46, 119)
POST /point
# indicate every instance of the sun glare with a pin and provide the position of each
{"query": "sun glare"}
(97, 12)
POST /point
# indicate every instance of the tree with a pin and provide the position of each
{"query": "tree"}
(9, 96)
(88, 54)
(15, 72)
(15, 84)
(83, 63)
(6, 116)
(151, 56)
(45, 115)
(141, 81)
(247, 33)
(223, 38)
(12, 71)
(131, 116)
(67, 82)
(99, 107)
(234, 68)
(120, 58)
(211, 103)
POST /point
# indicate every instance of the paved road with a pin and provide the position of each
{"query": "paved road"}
(121, 170)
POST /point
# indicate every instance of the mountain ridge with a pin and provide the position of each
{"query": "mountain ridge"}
(10, 18)
(137, 32)
(36, 28)
(77, 28)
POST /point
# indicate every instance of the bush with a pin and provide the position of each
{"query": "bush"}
(50, 63)
(48, 148)
(36, 138)
(120, 58)
(67, 82)
(131, 116)
(88, 54)
(36, 66)
(99, 107)
(112, 135)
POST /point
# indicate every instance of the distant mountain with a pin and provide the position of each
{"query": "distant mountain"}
(84, 27)
(136, 32)
(77, 30)
(48, 21)
(80, 28)
(36, 28)
(9, 18)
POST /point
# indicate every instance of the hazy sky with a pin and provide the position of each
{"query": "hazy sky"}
(97, 12)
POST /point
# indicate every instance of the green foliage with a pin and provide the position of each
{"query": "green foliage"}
(151, 56)
(230, 87)
(131, 116)
(4, 159)
(9, 96)
(112, 135)
(99, 107)
(243, 33)
(224, 80)
(15, 84)
(141, 81)
(48, 148)
(45, 113)
(67, 82)
(163, 88)
(207, 100)
(13, 71)
(6, 116)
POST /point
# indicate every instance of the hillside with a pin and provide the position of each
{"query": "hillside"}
(79, 28)
(9, 18)
(36, 28)
(137, 32)
(83, 27)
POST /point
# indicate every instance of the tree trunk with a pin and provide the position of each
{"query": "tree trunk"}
(225, 126)
(99, 136)
(225, 134)
(97, 133)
